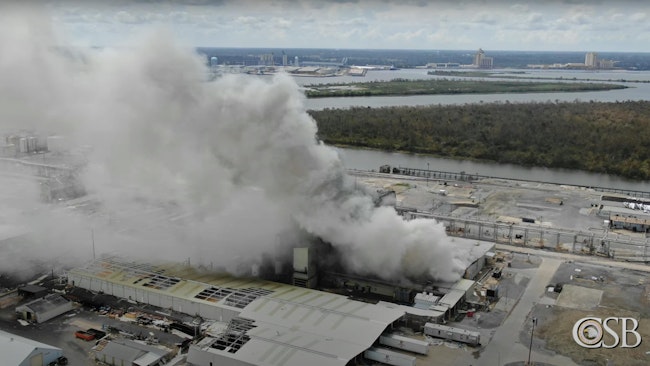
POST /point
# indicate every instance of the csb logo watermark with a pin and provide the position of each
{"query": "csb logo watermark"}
(589, 332)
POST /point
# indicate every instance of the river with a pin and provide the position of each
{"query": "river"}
(635, 91)
(373, 159)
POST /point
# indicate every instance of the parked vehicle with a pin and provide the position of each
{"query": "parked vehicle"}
(452, 333)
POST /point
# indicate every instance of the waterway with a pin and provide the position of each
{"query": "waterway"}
(636, 90)
(373, 159)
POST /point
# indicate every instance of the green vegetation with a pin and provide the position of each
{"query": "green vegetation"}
(444, 86)
(611, 138)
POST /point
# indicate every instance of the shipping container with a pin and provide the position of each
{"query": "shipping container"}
(453, 334)
(84, 335)
(404, 343)
(388, 357)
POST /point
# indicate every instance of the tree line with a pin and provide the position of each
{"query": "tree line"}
(611, 138)
(401, 86)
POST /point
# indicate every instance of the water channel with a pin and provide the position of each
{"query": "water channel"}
(636, 90)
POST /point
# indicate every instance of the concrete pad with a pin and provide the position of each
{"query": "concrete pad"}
(578, 297)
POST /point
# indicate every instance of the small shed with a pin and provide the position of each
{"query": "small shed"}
(44, 309)
(32, 291)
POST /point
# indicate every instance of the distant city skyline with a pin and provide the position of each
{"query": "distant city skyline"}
(569, 25)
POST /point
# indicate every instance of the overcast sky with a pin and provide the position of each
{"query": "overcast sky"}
(570, 25)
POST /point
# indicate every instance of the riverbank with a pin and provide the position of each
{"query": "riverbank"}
(610, 138)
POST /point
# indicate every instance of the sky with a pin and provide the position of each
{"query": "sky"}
(555, 25)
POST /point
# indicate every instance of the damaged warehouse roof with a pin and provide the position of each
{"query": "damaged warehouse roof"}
(269, 323)
(299, 327)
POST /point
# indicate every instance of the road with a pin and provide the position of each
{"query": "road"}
(505, 347)
(575, 257)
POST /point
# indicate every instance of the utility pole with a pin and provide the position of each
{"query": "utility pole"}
(428, 172)
(530, 347)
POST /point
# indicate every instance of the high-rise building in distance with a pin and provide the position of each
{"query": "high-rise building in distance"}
(481, 61)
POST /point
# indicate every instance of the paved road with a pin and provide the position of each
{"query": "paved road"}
(504, 347)
(575, 257)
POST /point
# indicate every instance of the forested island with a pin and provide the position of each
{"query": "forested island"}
(612, 138)
(449, 86)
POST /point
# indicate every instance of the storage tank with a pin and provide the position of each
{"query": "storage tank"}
(31, 144)
(23, 145)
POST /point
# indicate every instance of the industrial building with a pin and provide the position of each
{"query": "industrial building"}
(636, 223)
(267, 323)
(19, 351)
(44, 309)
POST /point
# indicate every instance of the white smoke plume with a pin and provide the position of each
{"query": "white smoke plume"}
(222, 172)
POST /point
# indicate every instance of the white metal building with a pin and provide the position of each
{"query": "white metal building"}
(20, 351)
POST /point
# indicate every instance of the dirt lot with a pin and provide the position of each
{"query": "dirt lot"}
(555, 329)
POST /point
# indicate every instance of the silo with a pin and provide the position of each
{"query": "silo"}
(31, 144)
(22, 145)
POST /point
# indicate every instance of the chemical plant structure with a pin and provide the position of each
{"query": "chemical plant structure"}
(309, 310)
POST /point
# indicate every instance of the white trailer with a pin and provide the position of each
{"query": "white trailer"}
(404, 343)
(388, 357)
(451, 333)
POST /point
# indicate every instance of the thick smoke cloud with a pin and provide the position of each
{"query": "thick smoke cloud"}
(221, 173)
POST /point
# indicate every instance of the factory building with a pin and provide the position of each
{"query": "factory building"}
(20, 351)
(267, 323)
